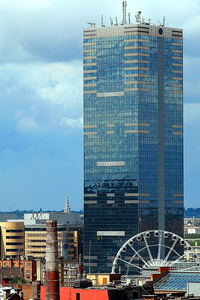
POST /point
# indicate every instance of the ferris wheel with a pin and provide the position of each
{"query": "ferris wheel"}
(151, 249)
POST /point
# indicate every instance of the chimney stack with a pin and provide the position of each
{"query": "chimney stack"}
(52, 275)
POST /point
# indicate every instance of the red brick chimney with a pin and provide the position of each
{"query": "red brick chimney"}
(52, 275)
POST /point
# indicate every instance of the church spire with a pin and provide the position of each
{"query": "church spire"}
(67, 208)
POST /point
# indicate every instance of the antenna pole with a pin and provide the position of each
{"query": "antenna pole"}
(164, 21)
(111, 21)
(124, 4)
(129, 18)
(102, 25)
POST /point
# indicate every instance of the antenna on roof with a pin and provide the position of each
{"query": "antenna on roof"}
(138, 18)
(124, 4)
(163, 21)
(111, 21)
(102, 24)
(116, 23)
(129, 18)
(92, 24)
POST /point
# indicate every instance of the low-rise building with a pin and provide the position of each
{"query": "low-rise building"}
(12, 239)
(191, 226)
(70, 234)
(69, 241)
(26, 268)
(24, 240)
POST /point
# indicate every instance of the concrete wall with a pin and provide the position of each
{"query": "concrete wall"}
(193, 288)
(72, 294)
(60, 217)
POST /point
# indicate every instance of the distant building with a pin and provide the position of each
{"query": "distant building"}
(4, 217)
(191, 226)
(23, 242)
(12, 239)
(28, 236)
(69, 241)
(193, 230)
(68, 271)
(27, 269)
(70, 234)
(60, 217)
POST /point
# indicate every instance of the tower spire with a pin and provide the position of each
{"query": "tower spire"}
(67, 208)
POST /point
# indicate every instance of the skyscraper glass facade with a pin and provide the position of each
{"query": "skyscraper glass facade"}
(133, 136)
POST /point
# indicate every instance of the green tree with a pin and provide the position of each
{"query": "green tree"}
(18, 280)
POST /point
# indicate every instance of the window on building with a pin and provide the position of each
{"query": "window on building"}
(12, 230)
(78, 296)
(14, 237)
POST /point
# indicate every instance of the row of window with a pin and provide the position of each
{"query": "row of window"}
(120, 40)
(14, 230)
(14, 237)
(14, 243)
(15, 250)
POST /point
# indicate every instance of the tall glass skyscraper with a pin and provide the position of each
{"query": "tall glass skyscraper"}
(133, 136)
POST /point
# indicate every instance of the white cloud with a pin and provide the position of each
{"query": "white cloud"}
(26, 122)
(72, 123)
(53, 89)
(58, 83)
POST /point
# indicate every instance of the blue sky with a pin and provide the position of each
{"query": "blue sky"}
(41, 146)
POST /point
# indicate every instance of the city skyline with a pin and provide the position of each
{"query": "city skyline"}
(41, 96)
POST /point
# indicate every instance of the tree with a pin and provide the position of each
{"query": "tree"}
(18, 280)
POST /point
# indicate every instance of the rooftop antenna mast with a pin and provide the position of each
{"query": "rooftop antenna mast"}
(138, 18)
(129, 18)
(111, 21)
(92, 24)
(164, 21)
(124, 4)
(102, 24)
